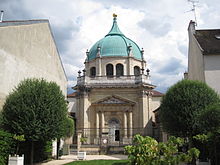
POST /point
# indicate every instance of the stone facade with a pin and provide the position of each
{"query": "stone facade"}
(28, 50)
(114, 103)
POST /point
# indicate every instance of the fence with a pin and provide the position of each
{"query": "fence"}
(112, 136)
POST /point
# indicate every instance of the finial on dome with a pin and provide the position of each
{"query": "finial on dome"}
(114, 15)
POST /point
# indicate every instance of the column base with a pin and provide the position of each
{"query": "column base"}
(97, 141)
(126, 140)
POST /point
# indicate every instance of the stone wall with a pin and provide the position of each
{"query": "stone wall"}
(195, 58)
(28, 50)
(212, 71)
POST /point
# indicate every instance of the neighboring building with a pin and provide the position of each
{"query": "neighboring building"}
(28, 50)
(114, 98)
(204, 56)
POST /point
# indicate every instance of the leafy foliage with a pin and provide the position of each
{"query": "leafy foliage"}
(18, 139)
(36, 109)
(6, 146)
(69, 125)
(147, 150)
(181, 105)
(201, 137)
(210, 126)
(99, 162)
(210, 118)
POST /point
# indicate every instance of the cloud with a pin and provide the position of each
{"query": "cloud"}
(13, 9)
(160, 27)
(171, 67)
(183, 48)
(63, 33)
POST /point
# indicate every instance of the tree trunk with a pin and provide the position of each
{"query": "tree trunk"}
(32, 153)
(58, 148)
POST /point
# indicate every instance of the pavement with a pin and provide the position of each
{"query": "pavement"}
(70, 158)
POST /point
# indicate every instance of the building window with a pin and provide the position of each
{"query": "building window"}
(109, 70)
(136, 70)
(92, 71)
(119, 70)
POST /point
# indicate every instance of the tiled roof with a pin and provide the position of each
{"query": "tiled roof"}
(156, 93)
(209, 40)
(71, 95)
(22, 22)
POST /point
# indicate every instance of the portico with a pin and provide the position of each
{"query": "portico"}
(114, 118)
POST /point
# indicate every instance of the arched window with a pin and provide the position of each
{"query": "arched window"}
(109, 70)
(92, 71)
(119, 70)
(136, 70)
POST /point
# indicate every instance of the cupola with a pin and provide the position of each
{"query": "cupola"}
(115, 44)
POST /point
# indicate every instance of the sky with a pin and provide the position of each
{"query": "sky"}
(158, 26)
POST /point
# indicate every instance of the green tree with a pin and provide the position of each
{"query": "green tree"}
(210, 125)
(181, 106)
(36, 109)
(210, 118)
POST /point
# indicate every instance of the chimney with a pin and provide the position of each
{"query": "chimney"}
(191, 27)
(2, 13)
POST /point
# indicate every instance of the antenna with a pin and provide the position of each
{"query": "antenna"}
(194, 2)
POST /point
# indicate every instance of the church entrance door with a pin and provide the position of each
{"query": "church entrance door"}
(114, 131)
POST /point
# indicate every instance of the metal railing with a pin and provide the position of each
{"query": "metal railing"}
(93, 136)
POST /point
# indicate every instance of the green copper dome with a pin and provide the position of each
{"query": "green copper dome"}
(114, 44)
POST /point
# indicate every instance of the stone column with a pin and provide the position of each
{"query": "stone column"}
(129, 72)
(97, 124)
(102, 122)
(125, 125)
(79, 135)
(130, 124)
(99, 67)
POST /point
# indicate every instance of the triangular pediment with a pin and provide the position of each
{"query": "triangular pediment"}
(114, 100)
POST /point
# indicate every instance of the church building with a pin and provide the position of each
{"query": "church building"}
(114, 97)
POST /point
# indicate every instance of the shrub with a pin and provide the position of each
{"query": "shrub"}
(147, 150)
(7, 146)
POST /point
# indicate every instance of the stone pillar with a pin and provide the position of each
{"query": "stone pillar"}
(99, 66)
(83, 108)
(97, 124)
(97, 138)
(130, 124)
(125, 125)
(142, 108)
(129, 72)
(102, 122)
(79, 135)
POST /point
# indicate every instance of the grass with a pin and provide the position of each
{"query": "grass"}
(100, 162)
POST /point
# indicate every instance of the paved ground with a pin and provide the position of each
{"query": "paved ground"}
(70, 158)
